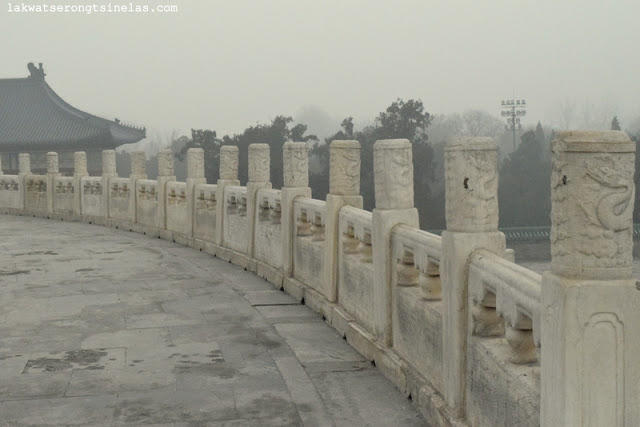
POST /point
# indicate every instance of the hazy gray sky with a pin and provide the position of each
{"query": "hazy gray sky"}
(227, 64)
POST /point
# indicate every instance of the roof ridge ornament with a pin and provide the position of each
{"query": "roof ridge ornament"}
(36, 73)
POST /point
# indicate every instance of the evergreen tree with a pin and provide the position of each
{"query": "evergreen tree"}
(614, 123)
(524, 187)
(400, 120)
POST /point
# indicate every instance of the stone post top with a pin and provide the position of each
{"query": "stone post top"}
(391, 144)
(165, 162)
(393, 174)
(471, 143)
(80, 163)
(290, 145)
(138, 162)
(344, 169)
(593, 141)
(229, 162)
(109, 162)
(295, 162)
(24, 163)
(471, 185)
(195, 163)
(52, 162)
(229, 148)
(259, 162)
(592, 201)
(345, 143)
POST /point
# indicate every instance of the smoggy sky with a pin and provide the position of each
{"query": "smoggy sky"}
(225, 65)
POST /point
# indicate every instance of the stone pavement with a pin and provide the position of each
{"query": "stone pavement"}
(102, 327)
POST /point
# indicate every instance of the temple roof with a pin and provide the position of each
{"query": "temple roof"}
(33, 115)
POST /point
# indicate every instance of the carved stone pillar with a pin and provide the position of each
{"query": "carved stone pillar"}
(471, 207)
(296, 184)
(195, 176)
(79, 171)
(108, 171)
(138, 171)
(590, 330)
(296, 164)
(228, 176)
(393, 180)
(52, 173)
(259, 177)
(165, 175)
(24, 169)
(344, 189)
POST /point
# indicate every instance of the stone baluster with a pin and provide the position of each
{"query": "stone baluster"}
(350, 243)
(52, 173)
(406, 272)
(79, 171)
(317, 229)
(138, 171)
(228, 176)
(393, 180)
(166, 175)
(296, 184)
(304, 225)
(590, 326)
(195, 176)
(471, 209)
(24, 169)
(430, 282)
(259, 177)
(108, 171)
(344, 190)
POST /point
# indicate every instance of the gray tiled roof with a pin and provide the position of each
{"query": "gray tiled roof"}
(32, 114)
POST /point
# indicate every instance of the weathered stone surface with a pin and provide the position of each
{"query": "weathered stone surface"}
(108, 162)
(229, 162)
(592, 205)
(259, 163)
(165, 162)
(393, 167)
(52, 162)
(589, 329)
(80, 163)
(296, 164)
(344, 178)
(138, 163)
(195, 163)
(24, 163)
(471, 184)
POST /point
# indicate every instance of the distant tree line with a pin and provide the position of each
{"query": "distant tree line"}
(524, 183)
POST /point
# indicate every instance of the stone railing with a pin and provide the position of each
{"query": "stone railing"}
(471, 337)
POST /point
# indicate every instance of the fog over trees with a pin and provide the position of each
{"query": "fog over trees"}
(524, 184)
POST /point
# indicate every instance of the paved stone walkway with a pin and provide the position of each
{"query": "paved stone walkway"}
(103, 327)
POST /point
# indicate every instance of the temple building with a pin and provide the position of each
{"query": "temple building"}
(35, 120)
